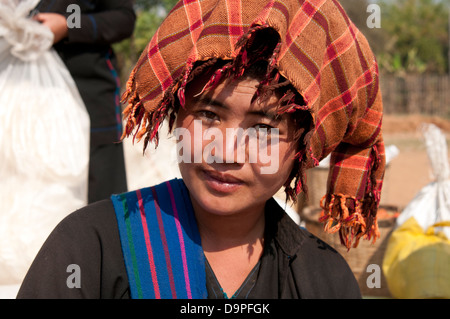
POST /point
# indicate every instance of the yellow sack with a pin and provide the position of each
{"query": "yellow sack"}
(416, 264)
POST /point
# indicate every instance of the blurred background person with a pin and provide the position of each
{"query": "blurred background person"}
(84, 32)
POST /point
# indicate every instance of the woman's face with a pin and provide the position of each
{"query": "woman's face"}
(226, 174)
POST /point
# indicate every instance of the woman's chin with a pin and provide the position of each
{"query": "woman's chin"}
(219, 206)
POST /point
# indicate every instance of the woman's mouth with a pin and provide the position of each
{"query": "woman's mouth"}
(220, 182)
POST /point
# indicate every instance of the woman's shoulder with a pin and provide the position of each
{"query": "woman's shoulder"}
(318, 270)
(93, 222)
(87, 243)
(295, 239)
(98, 214)
(323, 271)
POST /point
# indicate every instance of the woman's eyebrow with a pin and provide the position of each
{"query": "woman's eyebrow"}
(272, 116)
(207, 100)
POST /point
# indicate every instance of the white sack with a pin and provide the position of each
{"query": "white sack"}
(432, 203)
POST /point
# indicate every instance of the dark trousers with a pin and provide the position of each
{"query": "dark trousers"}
(106, 171)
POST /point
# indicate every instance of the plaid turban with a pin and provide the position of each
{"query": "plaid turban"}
(323, 55)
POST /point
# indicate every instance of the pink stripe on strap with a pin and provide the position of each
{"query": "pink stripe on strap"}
(148, 245)
(164, 244)
(180, 237)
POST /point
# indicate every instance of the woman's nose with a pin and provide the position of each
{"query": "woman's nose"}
(228, 145)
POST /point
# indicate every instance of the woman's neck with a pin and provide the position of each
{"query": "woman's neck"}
(222, 232)
(232, 244)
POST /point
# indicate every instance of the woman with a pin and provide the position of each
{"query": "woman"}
(296, 77)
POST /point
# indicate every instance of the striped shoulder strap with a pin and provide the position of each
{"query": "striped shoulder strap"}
(161, 243)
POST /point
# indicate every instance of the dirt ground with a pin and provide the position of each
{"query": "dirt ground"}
(410, 171)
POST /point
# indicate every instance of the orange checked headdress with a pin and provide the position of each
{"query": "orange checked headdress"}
(325, 58)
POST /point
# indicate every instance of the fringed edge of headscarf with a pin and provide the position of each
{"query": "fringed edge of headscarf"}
(139, 121)
(351, 217)
(353, 221)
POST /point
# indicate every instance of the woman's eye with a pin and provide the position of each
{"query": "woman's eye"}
(263, 131)
(263, 127)
(208, 115)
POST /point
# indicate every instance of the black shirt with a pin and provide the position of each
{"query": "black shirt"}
(294, 264)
